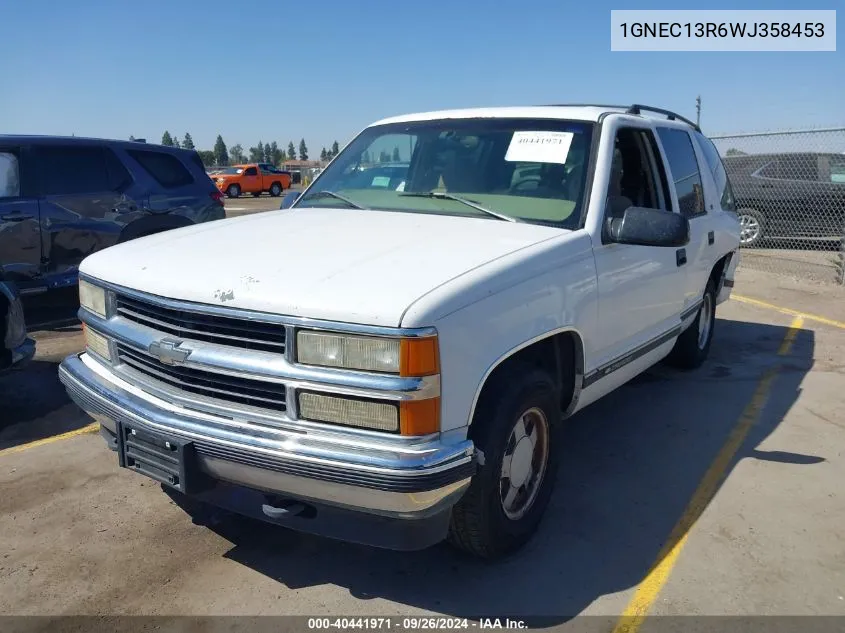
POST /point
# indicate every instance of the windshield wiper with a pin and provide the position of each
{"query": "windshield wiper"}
(332, 194)
(442, 195)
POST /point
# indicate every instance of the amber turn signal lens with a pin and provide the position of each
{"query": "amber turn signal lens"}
(419, 417)
(419, 357)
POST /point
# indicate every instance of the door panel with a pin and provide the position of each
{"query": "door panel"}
(83, 207)
(641, 291)
(251, 180)
(641, 288)
(688, 173)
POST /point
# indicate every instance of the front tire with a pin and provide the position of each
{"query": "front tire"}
(233, 191)
(514, 429)
(693, 345)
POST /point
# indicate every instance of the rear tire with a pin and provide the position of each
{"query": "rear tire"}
(275, 190)
(751, 227)
(693, 345)
(509, 493)
(233, 191)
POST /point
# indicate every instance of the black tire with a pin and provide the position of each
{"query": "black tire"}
(691, 349)
(233, 191)
(276, 190)
(753, 226)
(479, 523)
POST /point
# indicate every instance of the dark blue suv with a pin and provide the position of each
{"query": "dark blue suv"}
(62, 199)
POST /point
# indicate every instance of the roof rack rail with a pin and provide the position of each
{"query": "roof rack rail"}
(585, 105)
(638, 108)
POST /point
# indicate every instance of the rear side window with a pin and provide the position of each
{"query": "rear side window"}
(684, 167)
(69, 170)
(166, 169)
(717, 168)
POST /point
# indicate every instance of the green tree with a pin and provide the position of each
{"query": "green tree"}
(268, 153)
(335, 149)
(276, 154)
(236, 154)
(176, 142)
(256, 153)
(303, 150)
(323, 154)
(383, 157)
(188, 142)
(291, 151)
(734, 152)
(166, 139)
(221, 154)
(207, 157)
(131, 138)
(395, 156)
(365, 158)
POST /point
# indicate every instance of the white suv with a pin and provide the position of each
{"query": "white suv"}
(389, 360)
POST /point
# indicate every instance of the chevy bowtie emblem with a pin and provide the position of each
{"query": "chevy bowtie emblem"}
(167, 350)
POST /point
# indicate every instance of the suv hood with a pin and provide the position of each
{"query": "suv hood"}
(337, 264)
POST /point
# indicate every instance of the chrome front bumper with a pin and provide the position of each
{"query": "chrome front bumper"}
(393, 477)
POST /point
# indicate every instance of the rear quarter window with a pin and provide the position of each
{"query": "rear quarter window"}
(166, 169)
(683, 163)
(717, 168)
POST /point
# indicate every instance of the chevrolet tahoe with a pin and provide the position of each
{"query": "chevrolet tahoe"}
(392, 364)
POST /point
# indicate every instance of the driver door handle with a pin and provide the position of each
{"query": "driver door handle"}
(681, 256)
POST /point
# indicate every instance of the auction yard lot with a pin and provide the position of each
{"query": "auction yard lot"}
(642, 519)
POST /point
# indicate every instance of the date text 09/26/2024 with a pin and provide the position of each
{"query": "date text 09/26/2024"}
(412, 623)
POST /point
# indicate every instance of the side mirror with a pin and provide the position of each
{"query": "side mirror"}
(289, 199)
(650, 227)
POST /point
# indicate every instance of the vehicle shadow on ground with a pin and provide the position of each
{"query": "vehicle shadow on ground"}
(33, 402)
(630, 465)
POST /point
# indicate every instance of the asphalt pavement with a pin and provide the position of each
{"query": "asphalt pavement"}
(717, 491)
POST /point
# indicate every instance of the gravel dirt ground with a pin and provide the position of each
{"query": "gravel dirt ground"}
(717, 491)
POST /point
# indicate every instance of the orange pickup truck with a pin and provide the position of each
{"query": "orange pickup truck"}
(254, 178)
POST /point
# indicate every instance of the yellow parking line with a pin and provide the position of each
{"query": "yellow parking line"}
(649, 589)
(91, 428)
(789, 311)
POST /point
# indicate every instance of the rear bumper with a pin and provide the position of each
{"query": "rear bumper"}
(379, 484)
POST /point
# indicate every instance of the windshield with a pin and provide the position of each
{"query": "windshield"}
(526, 169)
(229, 170)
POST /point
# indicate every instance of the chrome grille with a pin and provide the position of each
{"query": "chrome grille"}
(245, 391)
(199, 326)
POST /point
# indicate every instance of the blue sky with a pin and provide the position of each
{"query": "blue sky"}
(286, 70)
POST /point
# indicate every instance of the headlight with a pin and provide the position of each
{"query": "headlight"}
(403, 356)
(92, 297)
(96, 342)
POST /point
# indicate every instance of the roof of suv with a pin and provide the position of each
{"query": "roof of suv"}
(581, 112)
(37, 139)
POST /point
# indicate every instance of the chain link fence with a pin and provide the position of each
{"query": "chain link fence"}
(789, 189)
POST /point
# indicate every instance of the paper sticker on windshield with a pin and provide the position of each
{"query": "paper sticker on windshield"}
(539, 147)
(381, 181)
